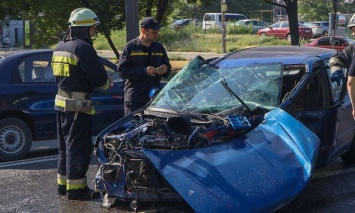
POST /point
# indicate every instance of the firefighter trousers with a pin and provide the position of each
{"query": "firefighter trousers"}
(75, 145)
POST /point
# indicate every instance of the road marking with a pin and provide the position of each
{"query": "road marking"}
(28, 161)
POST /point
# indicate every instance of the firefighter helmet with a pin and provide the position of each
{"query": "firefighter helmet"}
(83, 17)
(352, 21)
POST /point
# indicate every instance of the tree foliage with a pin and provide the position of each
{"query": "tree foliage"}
(318, 10)
(51, 17)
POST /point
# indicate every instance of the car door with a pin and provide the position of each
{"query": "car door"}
(35, 91)
(283, 30)
(325, 110)
(275, 29)
(257, 25)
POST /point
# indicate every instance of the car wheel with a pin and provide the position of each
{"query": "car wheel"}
(349, 156)
(262, 34)
(288, 36)
(15, 139)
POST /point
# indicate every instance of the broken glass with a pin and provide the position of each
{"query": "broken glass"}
(197, 88)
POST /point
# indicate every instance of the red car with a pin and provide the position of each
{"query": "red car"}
(325, 42)
(281, 30)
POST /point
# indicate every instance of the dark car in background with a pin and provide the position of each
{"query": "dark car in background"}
(27, 92)
(281, 30)
(240, 133)
(340, 42)
(181, 23)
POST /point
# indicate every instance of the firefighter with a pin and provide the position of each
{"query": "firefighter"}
(345, 58)
(78, 71)
(143, 63)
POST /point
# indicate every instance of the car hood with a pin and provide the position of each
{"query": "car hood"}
(259, 172)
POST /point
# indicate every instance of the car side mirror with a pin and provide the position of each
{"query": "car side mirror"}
(153, 92)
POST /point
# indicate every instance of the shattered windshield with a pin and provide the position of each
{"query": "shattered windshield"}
(203, 88)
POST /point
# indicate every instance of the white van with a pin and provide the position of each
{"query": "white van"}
(211, 20)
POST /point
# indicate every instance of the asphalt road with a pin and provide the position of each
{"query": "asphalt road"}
(29, 186)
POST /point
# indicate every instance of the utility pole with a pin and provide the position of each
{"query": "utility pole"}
(132, 19)
(223, 14)
(335, 4)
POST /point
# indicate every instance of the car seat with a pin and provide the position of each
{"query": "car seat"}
(38, 74)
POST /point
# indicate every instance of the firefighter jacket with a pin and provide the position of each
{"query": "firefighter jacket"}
(77, 69)
(133, 68)
(346, 58)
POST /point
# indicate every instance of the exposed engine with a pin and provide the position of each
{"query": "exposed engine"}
(128, 175)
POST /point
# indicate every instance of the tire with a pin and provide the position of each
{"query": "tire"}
(288, 36)
(15, 139)
(262, 34)
(349, 156)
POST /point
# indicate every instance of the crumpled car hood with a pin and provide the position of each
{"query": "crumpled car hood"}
(261, 171)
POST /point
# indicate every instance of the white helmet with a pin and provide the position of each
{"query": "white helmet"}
(83, 17)
(352, 21)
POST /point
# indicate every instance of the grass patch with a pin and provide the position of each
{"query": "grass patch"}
(192, 39)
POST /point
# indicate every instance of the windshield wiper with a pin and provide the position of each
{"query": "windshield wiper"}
(225, 85)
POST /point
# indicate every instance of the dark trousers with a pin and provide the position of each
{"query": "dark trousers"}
(74, 144)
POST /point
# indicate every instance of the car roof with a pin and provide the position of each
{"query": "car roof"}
(284, 54)
(24, 52)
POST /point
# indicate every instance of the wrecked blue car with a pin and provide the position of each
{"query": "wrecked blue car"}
(239, 133)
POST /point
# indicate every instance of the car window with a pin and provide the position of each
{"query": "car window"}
(335, 87)
(208, 17)
(324, 41)
(33, 70)
(284, 24)
(276, 25)
(258, 23)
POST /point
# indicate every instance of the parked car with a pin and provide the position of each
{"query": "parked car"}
(240, 133)
(319, 28)
(180, 23)
(281, 30)
(326, 42)
(214, 20)
(255, 25)
(27, 92)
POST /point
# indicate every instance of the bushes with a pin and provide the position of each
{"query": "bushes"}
(195, 39)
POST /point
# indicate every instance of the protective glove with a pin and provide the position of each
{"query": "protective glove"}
(337, 76)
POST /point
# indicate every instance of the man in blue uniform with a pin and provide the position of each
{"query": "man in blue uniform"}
(78, 71)
(345, 58)
(143, 63)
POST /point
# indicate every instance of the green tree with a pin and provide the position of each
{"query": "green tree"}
(51, 17)
(314, 10)
(318, 10)
(291, 7)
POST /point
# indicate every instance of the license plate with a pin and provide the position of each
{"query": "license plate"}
(307, 30)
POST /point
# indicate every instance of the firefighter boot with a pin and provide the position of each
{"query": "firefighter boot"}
(82, 194)
(62, 189)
